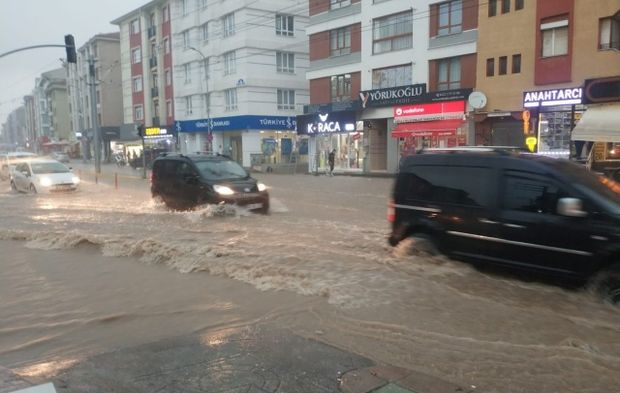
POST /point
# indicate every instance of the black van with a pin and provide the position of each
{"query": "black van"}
(184, 181)
(511, 208)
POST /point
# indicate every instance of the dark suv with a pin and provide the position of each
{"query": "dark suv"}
(185, 181)
(511, 208)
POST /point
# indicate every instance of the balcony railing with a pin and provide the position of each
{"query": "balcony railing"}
(152, 31)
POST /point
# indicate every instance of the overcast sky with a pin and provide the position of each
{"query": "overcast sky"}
(36, 22)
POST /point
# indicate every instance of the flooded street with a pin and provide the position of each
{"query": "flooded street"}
(113, 268)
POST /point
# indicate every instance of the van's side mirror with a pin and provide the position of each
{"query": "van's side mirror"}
(26, 173)
(571, 207)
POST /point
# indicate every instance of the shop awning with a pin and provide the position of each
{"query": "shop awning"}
(600, 123)
(427, 128)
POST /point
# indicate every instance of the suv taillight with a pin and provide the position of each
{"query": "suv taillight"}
(391, 213)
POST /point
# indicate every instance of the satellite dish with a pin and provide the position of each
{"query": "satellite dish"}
(477, 100)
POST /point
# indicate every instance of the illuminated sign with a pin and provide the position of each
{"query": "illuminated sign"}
(392, 95)
(152, 131)
(432, 111)
(531, 142)
(326, 123)
(601, 90)
(568, 96)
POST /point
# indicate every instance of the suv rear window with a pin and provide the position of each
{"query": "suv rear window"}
(220, 169)
(447, 184)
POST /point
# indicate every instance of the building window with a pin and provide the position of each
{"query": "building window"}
(169, 108)
(205, 32)
(184, 7)
(137, 84)
(188, 105)
(492, 8)
(136, 55)
(341, 88)
(187, 72)
(138, 112)
(135, 26)
(186, 40)
(519, 5)
(168, 76)
(554, 38)
(609, 37)
(166, 45)
(285, 25)
(202, 3)
(503, 65)
(490, 67)
(229, 24)
(286, 99)
(165, 13)
(285, 62)
(230, 63)
(231, 99)
(449, 74)
(450, 17)
(516, 64)
(505, 6)
(392, 33)
(206, 98)
(335, 4)
(391, 76)
(340, 41)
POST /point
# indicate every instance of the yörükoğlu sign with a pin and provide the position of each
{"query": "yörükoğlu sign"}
(391, 95)
(568, 96)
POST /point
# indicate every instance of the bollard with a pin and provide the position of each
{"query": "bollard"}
(115, 181)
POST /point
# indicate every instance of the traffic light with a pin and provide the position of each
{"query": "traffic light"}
(70, 47)
(140, 130)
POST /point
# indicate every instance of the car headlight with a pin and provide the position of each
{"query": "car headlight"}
(223, 190)
(75, 179)
(261, 187)
(45, 181)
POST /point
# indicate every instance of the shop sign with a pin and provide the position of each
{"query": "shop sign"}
(153, 131)
(427, 112)
(392, 95)
(326, 123)
(233, 123)
(601, 90)
(568, 96)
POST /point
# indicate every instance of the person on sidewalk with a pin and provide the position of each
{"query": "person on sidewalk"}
(331, 160)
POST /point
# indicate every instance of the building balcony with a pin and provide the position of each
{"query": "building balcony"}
(152, 32)
(154, 92)
(153, 61)
(155, 121)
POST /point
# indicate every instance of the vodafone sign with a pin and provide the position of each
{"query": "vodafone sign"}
(432, 111)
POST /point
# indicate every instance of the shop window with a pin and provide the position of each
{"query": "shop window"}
(450, 17)
(490, 67)
(449, 74)
(341, 88)
(505, 6)
(609, 37)
(554, 38)
(516, 64)
(335, 4)
(286, 99)
(392, 33)
(503, 65)
(519, 4)
(285, 25)
(391, 76)
(340, 41)
(492, 7)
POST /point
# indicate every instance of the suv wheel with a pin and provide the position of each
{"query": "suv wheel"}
(33, 190)
(418, 244)
(606, 284)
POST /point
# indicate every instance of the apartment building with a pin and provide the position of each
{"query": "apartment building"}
(389, 77)
(534, 60)
(239, 77)
(52, 106)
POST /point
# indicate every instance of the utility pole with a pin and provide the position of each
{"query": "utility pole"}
(206, 69)
(93, 111)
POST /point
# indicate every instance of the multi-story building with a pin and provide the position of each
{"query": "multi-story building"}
(14, 129)
(240, 77)
(104, 50)
(30, 114)
(52, 106)
(146, 64)
(392, 75)
(534, 58)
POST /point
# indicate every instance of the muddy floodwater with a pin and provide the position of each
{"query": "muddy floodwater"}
(113, 268)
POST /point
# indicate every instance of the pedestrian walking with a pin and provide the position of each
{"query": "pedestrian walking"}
(331, 160)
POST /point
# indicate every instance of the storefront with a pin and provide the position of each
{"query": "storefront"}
(551, 116)
(248, 139)
(326, 132)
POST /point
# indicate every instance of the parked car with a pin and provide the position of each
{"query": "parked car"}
(9, 160)
(59, 156)
(43, 175)
(510, 208)
(186, 181)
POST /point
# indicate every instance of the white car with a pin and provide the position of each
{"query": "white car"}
(42, 175)
(9, 160)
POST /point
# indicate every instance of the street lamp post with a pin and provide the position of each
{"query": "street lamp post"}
(209, 134)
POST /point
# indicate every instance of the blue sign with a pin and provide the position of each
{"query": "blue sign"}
(233, 123)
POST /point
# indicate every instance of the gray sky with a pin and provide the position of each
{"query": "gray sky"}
(36, 22)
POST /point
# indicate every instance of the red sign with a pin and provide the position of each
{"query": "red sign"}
(432, 111)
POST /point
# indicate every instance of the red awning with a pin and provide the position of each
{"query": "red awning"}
(427, 128)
